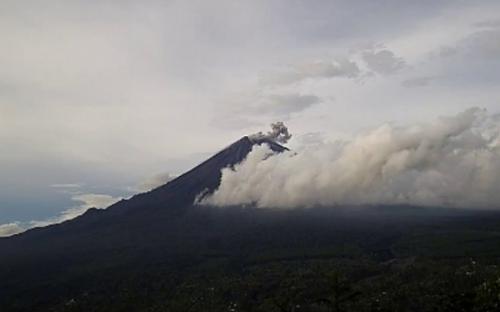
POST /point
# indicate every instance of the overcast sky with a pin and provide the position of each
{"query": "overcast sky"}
(102, 99)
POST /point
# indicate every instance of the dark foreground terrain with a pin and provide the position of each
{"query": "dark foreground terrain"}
(158, 252)
(373, 259)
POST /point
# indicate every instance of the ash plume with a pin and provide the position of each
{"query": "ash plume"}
(279, 133)
(453, 162)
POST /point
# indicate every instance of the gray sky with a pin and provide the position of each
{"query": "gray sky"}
(99, 98)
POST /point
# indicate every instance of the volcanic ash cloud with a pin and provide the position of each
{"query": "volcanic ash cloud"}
(454, 162)
(279, 133)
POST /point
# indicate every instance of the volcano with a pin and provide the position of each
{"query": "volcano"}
(204, 178)
(159, 223)
(157, 251)
(171, 199)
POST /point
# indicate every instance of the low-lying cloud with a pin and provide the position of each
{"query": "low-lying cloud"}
(453, 162)
(85, 202)
(153, 182)
(9, 229)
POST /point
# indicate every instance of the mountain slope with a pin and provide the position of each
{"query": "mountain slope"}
(151, 225)
(172, 198)
(155, 244)
(205, 177)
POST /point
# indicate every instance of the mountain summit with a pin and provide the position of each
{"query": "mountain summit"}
(157, 250)
(172, 198)
(162, 223)
(205, 177)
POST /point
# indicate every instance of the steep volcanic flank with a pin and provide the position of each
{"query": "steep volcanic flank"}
(145, 246)
(205, 177)
(172, 198)
(157, 223)
(148, 209)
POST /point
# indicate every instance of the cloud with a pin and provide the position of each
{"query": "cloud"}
(493, 23)
(478, 46)
(279, 133)
(452, 162)
(86, 201)
(383, 61)
(417, 81)
(282, 105)
(276, 105)
(483, 44)
(154, 182)
(250, 108)
(470, 63)
(66, 185)
(309, 140)
(10, 229)
(95, 200)
(321, 69)
(234, 121)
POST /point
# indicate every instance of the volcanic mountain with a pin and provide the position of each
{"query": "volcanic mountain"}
(170, 199)
(156, 223)
(158, 252)
(204, 178)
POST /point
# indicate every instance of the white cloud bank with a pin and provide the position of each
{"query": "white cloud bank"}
(86, 201)
(153, 182)
(454, 162)
(10, 229)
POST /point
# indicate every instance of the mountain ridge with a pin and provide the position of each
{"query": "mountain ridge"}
(145, 250)
(173, 197)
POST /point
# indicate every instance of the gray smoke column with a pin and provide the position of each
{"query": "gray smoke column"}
(453, 162)
(279, 133)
